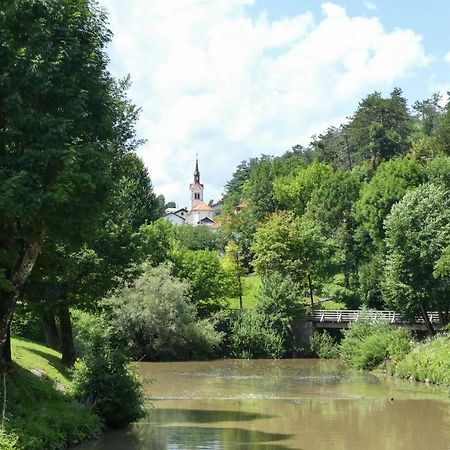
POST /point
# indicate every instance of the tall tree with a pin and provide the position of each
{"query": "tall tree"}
(295, 247)
(417, 236)
(381, 128)
(63, 123)
(68, 275)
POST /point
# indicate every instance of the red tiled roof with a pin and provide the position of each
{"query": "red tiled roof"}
(201, 206)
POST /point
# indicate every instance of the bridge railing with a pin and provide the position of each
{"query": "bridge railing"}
(354, 315)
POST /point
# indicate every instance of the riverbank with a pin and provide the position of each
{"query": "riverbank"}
(375, 346)
(40, 412)
(428, 361)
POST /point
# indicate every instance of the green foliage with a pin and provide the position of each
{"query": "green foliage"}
(267, 330)
(105, 379)
(294, 191)
(40, 416)
(367, 345)
(209, 283)
(429, 360)
(156, 320)
(279, 301)
(438, 171)
(197, 238)
(157, 241)
(381, 128)
(323, 345)
(251, 286)
(253, 336)
(390, 183)
(26, 323)
(443, 131)
(293, 247)
(417, 234)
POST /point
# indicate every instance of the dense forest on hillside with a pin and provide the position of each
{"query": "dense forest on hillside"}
(361, 214)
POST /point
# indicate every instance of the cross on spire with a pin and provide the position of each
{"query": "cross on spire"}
(196, 173)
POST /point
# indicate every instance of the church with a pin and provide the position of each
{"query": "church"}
(199, 213)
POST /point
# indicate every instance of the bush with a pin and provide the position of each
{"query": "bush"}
(26, 323)
(367, 345)
(253, 336)
(156, 321)
(429, 360)
(105, 379)
(323, 345)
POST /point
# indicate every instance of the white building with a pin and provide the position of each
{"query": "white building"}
(199, 213)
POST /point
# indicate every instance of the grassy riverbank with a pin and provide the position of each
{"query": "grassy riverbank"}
(371, 346)
(40, 413)
(428, 361)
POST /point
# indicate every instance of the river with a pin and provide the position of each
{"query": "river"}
(285, 404)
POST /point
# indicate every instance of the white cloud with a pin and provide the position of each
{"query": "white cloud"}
(212, 79)
(370, 6)
(447, 57)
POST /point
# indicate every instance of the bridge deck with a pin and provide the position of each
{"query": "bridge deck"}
(341, 318)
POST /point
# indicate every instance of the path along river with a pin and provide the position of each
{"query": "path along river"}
(288, 404)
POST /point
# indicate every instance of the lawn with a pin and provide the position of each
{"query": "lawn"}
(251, 285)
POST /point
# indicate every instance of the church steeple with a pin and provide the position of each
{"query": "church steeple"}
(196, 173)
(196, 187)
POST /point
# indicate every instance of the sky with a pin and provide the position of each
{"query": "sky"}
(232, 79)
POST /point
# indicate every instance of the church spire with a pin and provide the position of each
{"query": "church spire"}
(196, 173)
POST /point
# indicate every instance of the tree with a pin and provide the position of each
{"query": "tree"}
(428, 113)
(417, 235)
(293, 192)
(156, 320)
(294, 247)
(391, 182)
(442, 132)
(158, 241)
(381, 128)
(63, 121)
(233, 264)
(331, 205)
(68, 275)
(209, 282)
(197, 238)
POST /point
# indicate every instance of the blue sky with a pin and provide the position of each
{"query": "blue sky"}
(231, 79)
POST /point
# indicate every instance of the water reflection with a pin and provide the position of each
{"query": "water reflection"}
(303, 404)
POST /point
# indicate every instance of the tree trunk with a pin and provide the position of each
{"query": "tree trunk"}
(311, 292)
(429, 325)
(17, 277)
(240, 291)
(7, 303)
(67, 346)
(50, 330)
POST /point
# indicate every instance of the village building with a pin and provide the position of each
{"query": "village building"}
(200, 213)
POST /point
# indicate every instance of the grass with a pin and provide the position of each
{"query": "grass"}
(251, 286)
(428, 361)
(39, 415)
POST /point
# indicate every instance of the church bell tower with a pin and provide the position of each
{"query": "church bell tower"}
(196, 187)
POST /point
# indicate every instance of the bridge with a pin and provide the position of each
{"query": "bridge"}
(324, 318)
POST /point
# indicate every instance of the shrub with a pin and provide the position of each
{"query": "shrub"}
(367, 345)
(26, 323)
(254, 336)
(323, 345)
(429, 360)
(278, 302)
(105, 379)
(156, 321)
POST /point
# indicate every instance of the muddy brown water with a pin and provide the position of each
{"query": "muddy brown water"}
(288, 404)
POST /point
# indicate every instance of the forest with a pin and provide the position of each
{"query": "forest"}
(360, 217)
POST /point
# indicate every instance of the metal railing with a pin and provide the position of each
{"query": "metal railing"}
(354, 315)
